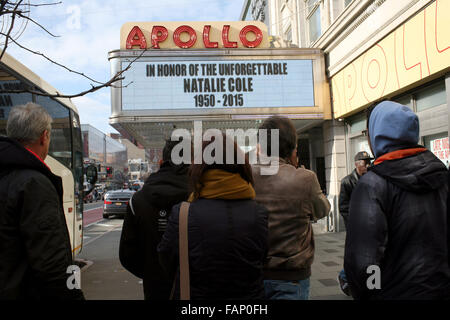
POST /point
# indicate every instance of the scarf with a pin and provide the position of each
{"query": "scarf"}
(399, 154)
(220, 184)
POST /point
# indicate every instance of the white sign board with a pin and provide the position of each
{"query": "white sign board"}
(218, 84)
(440, 148)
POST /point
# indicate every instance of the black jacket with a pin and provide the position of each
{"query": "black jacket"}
(347, 186)
(398, 221)
(227, 248)
(145, 223)
(35, 249)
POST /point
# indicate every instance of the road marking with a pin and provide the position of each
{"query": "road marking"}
(104, 225)
(92, 223)
(84, 211)
(98, 237)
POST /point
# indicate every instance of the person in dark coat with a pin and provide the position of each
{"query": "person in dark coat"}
(145, 222)
(227, 232)
(397, 245)
(35, 250)
(348, 183)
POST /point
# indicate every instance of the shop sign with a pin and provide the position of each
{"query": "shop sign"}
(416, 50)
(440, 148)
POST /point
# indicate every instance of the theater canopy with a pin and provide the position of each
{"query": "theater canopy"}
(170, 86)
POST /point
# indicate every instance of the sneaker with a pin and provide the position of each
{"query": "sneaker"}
(344, 286)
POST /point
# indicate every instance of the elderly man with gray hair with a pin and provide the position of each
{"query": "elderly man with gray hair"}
(35, 249)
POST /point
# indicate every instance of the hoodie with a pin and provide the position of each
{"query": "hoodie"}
(392, 126)
(398, 215)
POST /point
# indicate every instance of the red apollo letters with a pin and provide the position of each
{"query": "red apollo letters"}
(160, 34)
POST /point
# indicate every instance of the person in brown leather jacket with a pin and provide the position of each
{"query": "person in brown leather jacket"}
(293, 198)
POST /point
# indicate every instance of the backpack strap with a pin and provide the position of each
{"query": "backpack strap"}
(184, 252)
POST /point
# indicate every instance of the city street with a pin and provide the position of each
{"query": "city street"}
(92, 212)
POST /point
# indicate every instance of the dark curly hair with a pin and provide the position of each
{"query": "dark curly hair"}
(287, 135)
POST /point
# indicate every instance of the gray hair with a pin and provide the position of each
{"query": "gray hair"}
(26, 123)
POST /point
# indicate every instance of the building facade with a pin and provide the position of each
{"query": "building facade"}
(108, 154)
(375, 50)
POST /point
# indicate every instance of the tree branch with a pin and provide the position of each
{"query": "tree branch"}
(117, 77)
(43, 4)
(50, 60)
(36, 23)
(8, 35)
(12, 8)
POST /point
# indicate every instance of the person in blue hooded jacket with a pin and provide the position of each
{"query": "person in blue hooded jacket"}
(397, 244)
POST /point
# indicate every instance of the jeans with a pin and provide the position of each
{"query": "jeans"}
(287, 290)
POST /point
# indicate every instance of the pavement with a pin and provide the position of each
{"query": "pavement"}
(328, 262)
(103, 277)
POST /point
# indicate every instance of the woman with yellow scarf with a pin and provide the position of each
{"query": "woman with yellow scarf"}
(227, 232)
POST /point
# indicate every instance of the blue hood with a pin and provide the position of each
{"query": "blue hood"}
(392, 126)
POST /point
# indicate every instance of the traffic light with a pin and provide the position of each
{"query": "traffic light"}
(109, 171)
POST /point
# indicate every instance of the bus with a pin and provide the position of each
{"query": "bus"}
(138, 169)
(65, 157)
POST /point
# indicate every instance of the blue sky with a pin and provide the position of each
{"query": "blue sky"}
(88, 29)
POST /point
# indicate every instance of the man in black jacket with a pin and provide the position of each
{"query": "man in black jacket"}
(348, 183)
(35, 250)
(145, 223)
(397, 245)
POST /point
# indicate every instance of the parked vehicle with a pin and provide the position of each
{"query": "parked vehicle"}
(136, 185)
(116, 202)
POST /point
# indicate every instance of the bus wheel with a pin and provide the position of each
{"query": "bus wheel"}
(105, 216)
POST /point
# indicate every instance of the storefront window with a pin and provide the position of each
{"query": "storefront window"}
(405, 100)
(358, 125)
(358, 144)
(438, 144)
(431, 97)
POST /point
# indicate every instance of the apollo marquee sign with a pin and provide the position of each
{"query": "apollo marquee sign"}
(194, 35)
(215, 68)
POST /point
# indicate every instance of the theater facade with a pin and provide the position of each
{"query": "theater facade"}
(222, 75)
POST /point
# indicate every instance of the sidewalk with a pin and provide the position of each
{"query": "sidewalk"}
(328, 261)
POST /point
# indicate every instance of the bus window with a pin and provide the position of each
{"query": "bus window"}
(60, 140)
(8, 100)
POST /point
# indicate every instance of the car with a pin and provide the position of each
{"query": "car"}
(115, 203)
(136, 185)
